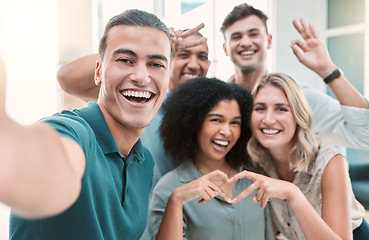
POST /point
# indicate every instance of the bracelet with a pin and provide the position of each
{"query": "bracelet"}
(334, 75)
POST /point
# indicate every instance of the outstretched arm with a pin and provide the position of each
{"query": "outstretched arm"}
(40, 172)
(312, 225)
(77, 78)
(315, 56)
(205, 187)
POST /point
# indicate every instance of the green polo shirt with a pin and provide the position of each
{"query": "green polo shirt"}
(113, 201)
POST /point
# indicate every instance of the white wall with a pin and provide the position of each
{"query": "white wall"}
(29, 50)
(28, 45)
(284, 11)
(4, 222)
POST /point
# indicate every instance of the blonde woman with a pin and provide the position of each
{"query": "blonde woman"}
(308, 185)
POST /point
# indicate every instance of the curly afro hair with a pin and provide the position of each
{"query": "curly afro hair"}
(186, 108)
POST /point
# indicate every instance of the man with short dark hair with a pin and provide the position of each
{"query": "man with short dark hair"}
(246, 41)
(191, 60)
(84, 174)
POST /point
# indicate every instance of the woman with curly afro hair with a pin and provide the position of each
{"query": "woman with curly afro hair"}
(206, 128)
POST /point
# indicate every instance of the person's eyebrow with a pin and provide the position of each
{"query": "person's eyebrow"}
(283, 104)
(277, 104)
(215, 115)
(204, 53)
(235, 33)
(132, 53)
(184, 50)
(253, 30)
(248, 31)
(158, 56)
(220, 115)
(124, 51)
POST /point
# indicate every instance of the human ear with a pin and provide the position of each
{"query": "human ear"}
(225, 49)
(98, 72)
(270, 37)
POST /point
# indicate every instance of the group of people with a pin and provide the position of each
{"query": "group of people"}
(249, 158)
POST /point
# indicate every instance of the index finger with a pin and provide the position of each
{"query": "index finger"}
(225, 197)
(302, 28)
(216, 173)
(297, 26)
(306, 33)
(250, 189)
(244, 174)
(191, 31)
(217, 177)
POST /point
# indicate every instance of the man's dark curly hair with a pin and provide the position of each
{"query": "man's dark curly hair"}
(186, 108)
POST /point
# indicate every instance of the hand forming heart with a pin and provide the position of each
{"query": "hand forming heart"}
(205, 187)
(267, 188)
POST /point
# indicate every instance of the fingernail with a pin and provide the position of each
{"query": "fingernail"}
(234, 200)
(230, 180)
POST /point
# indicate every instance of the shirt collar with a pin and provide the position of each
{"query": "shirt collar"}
(270, 170)
(94, 117)
(188, 172)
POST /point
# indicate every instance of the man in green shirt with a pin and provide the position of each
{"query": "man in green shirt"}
(84, 174)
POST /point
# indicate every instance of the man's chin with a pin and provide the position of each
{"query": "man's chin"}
(138, 125)
(247, 67)
(186, 78)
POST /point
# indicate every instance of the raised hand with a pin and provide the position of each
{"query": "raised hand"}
(180, 38)
(267, 188)
(314, 53)
(205, 187)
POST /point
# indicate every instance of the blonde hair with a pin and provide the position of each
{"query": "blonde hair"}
(306, 146)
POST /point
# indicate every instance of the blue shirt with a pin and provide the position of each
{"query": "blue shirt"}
(152, 141)
(113, 202)
(216, 219)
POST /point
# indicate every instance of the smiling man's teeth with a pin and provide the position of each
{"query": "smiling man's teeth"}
(270, 131)
(138, 94)
(187, 75)
(245, 53)
(220, 142)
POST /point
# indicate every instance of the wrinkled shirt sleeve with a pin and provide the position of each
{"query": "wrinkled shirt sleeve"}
(338, 125)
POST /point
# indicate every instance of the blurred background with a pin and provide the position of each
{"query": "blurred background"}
(38, 36)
